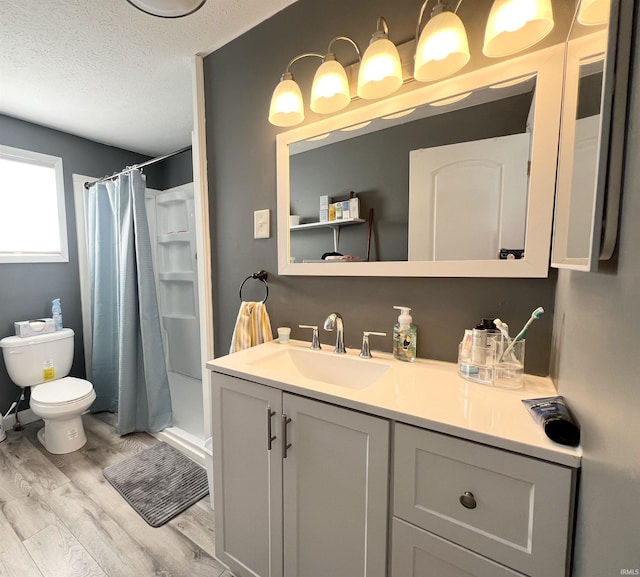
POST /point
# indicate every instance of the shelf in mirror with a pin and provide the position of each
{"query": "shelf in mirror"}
(332, 224)
(328, 223)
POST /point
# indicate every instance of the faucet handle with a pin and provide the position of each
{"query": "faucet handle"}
(315, 340)
(365, 351)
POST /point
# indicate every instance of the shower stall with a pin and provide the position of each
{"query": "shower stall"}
(172, 215)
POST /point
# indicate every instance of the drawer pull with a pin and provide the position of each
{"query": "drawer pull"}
(467, 500)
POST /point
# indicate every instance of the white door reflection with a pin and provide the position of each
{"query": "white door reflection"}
(468, 200)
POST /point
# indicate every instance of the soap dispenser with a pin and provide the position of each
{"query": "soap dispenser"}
(405, 336)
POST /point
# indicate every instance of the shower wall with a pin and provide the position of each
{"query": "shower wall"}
(171, 217)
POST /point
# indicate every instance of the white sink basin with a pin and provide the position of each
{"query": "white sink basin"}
(342, 370)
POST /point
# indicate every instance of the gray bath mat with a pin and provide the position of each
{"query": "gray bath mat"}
(159, 482)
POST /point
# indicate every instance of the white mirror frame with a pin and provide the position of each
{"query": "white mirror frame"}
(582, 50)
(548, 65)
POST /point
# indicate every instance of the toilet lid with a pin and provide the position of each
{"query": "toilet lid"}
(61, 391)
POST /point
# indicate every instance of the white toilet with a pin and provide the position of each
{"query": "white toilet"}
(43, 362)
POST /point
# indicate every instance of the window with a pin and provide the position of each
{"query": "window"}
(33, 226)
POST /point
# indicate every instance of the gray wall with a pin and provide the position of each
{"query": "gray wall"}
(171, 172)
(597, 368)
(239, 80)
(26, 290)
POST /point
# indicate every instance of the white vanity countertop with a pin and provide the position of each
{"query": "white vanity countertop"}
(425, 393)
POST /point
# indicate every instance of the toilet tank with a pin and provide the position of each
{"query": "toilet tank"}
(34, 360)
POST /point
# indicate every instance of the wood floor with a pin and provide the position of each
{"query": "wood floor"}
(59, 517)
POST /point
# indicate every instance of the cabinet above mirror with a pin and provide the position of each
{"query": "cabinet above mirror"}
(430, 167)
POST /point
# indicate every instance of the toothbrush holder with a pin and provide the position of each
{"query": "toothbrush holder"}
(483, 362)
(508, 370)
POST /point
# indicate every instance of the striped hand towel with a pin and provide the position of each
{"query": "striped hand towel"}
(253, 326)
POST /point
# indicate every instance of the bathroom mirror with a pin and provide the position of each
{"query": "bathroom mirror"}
(591, 140)
(391, 152)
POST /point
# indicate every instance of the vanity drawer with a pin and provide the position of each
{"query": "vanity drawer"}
(514, 509)
(417, 553)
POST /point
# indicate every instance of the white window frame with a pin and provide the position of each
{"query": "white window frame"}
(54, 162)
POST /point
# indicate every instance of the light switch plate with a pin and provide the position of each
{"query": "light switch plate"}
(261, 223)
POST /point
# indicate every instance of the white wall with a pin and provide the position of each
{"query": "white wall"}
(597, 358)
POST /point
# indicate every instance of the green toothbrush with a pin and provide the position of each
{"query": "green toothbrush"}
(534, 315)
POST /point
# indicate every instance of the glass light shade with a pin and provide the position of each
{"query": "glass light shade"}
(286, 107)
(593, 12)
(380, 70)
(443, 48)
(515, 25)
(330, 89)
(168, 8)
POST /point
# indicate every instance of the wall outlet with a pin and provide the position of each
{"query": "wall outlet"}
(261, 223)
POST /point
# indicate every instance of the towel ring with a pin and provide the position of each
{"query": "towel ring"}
(261, 276)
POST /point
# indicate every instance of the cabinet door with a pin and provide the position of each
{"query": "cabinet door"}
(335, 491)
(417, 553)
(247, 477)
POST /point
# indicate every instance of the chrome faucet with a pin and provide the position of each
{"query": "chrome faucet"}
(334, 321)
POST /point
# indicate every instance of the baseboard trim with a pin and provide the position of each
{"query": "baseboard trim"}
(188, 444)
(27, 416)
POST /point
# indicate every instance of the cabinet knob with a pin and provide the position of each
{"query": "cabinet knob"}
(467, 500)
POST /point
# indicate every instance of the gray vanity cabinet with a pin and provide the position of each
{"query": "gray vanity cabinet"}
(247, 477)
(462, 509)
(418, 553)
(301, 486)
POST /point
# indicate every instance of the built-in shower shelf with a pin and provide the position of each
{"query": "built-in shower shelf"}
(171, 197)
(179, 317)
(175, 237)
(177, 276)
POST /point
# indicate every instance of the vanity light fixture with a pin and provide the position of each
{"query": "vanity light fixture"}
(594, 12)
(515, 25)
(287, 108)
(168, 8)
(443, 48)
(380, 69)
(330, 89)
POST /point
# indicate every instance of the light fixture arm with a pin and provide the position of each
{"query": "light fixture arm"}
(382, 30)
(346, 38)
(300, 57)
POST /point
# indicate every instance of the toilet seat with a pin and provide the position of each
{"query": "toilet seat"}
(60, 392)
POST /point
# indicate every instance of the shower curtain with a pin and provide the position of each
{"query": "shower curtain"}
(129, 373)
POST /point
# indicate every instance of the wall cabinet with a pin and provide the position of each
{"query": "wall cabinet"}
(301, 486)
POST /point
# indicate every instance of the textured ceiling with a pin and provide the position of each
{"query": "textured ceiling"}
(103, 70)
